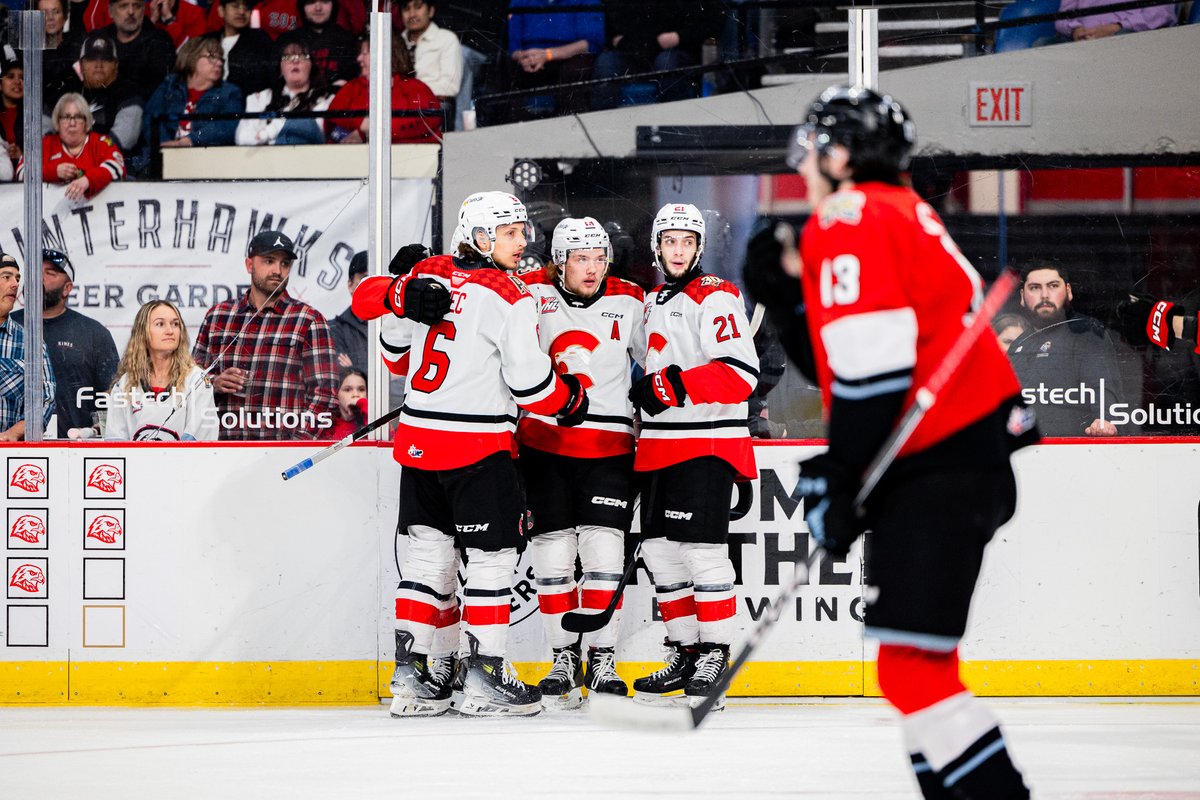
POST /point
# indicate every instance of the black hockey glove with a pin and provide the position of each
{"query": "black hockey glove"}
(659, 391)
(1145, 320)
(827, 488)
(575, 409)
(408, 257)
(420, 299)
(779, 293)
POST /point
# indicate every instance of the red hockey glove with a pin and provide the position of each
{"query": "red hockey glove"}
(420, 299)
(1145, 320)
(659, 391)
(827, 488)
(360, 406)
(575, 409)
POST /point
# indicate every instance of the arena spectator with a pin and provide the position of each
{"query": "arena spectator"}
(332, 47)
(145, 52)
(81, 350)
(12, 104)
(350, 332)
(277, 17)
(1009, 328)
(276, 380)
(250, 61)
(179, 19)
(436, 53)
(655, 36)
(74, 154)
(61, 51)
(195, 87)
(113, 99)
(160, 395)
(557, 46)
(352, 15)
(408, 94)
(480, 31)
(12, 360)
(300, 87)
(1098, 26)
(351, 404)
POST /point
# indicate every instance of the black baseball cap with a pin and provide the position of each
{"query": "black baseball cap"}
(358, 264)
(7, 261)
(98, 47)
(59, 261)
(271, 242)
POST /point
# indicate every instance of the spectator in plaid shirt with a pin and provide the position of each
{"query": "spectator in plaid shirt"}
(278, 379)
(12, 360)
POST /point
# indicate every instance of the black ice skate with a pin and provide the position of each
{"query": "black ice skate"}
(666, 686)
(562, 688)
(602, 672)
(415, 693)
(491, 688)
(712, 661)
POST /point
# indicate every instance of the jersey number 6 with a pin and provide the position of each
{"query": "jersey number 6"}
(435, 364)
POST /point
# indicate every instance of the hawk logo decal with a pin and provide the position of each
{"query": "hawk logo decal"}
(28, 478)
(28, 578)
(28, 528)
(105, 528)
(105, 478)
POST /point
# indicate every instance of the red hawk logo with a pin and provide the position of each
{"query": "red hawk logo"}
(105, 528)
(28, 477)
(572, 352)
(28, 528)
(28, 578)
(105, 478)
(657, 343)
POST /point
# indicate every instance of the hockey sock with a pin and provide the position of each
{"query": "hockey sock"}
(712, 576)
(957, 735)
(427, 582)
(602, 552)
(487, 594)
(553, 555)
(673, 587)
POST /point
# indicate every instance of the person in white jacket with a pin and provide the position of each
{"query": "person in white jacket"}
(160, 394)
(301, 86)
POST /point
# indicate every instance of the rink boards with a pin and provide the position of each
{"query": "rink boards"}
(192, 574)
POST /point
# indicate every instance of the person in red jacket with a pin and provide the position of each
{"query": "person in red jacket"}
(408, 94)
(179, 18)
(74, 154)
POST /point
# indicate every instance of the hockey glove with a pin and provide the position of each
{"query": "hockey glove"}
(420, 299)
(1145, 320)
(408, 257)
(575, 409)
(827, 488)
(659, 391)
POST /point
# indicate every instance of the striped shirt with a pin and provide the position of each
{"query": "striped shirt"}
(12, 377)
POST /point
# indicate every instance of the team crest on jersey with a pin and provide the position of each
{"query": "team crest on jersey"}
(710, 280)
(572, 352)
(549, 305)
(414, 451)
(842, 207)
(656, 343)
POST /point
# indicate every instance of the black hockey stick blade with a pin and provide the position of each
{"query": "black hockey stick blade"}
(321, 455)
(579, 622)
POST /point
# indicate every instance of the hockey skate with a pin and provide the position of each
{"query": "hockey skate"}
(491, 688)
(712, 661)
(665, 687)
(415, 693)
(602, 673)
(562, 688)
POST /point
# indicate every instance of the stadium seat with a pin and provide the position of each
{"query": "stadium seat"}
(1026, 36)
(1193, 15)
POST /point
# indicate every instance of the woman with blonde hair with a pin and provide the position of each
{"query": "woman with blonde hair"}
(160, 394)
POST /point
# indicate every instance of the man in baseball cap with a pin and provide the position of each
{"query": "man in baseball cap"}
(271, 242)
(113, 98)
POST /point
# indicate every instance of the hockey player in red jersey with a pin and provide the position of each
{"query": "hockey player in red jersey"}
(887, 292)
(701, 367)
(467, 374)
(579, 481)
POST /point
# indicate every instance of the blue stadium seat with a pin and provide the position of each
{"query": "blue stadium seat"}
(1025, 36)
(1193, 15)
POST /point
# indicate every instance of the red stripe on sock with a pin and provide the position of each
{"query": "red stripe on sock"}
(416, 611)
(559, 603)
(598, 599)
(674, 609)
(486, 615)
(717, 610)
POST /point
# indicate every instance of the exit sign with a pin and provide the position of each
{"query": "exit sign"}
(1000, 105)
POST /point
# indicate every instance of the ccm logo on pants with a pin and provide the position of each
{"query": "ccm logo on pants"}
(669, 514)
(609, 501)
(472, 528)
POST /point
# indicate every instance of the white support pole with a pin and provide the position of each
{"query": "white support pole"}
(864, 47)
(379, 186)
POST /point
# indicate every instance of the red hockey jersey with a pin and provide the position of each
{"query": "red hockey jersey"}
(597, 342)
(701, 327)
(888, 292)
(98, 158)
(468, 373)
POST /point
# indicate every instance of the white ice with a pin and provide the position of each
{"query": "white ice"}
(846, 749)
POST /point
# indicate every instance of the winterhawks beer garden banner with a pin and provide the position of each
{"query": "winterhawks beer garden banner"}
(186, 241)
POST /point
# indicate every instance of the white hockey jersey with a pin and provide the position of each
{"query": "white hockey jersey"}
(467, 373)
(596, 340)
(135, 414)
(700, 326)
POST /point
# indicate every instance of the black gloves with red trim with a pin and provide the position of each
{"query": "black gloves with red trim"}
(575, 409)
(419, 299)
(408, 257)
(1145, 320)
(827, 487)
(659, 391)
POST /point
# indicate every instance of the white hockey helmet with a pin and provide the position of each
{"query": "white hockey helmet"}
(578, 233)
(485, 212)
(677, 217)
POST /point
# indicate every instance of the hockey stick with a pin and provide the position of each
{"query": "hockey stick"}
(321, 455)
(613, 711)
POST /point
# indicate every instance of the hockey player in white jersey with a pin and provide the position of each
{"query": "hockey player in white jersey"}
(701, 367)
(579, 481)
(467, 374)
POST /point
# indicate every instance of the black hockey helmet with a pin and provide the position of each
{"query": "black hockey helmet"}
(874, 128)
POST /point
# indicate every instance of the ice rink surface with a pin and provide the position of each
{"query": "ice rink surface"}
(1069, 749)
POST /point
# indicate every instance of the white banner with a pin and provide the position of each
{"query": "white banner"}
(186, 241)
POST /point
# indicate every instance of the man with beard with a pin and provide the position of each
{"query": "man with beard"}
(114, 100)
(12, 360)
(82, 351)
(1068, 364)
(146, 53)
